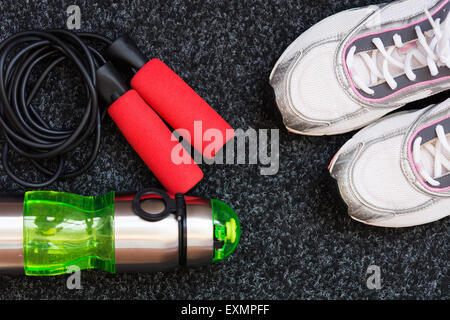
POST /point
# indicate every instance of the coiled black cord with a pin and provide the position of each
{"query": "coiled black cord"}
(24, 129)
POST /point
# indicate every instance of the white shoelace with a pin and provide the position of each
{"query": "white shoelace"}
(430, 50)
(440, 152)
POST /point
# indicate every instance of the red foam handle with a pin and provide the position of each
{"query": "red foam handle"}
(152, 140)
(181, 107)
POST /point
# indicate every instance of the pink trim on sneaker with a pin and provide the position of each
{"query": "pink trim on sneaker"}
(412, 44)
(411, 160)
(379, 32)
(332, 161)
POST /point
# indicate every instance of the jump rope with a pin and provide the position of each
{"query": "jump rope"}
(157, 92)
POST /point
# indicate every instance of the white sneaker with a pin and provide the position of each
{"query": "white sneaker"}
(354, 67)
(396, 172)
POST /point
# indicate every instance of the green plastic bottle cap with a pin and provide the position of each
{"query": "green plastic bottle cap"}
(227, 229)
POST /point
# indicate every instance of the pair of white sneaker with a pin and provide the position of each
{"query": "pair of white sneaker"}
(351, 69)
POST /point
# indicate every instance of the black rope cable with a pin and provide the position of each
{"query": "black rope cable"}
(24, 130)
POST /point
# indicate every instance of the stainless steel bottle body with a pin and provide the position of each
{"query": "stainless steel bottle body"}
(11, 233)
(153, 246)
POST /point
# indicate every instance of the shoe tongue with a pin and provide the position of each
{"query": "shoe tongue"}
(362, 70)
(398, 54)
(428, 160)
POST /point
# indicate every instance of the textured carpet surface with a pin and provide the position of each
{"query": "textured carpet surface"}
(297, 240)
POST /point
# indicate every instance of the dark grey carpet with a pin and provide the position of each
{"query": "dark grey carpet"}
(298, 241)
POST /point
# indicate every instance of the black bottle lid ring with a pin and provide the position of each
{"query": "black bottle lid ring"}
(170, 205)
